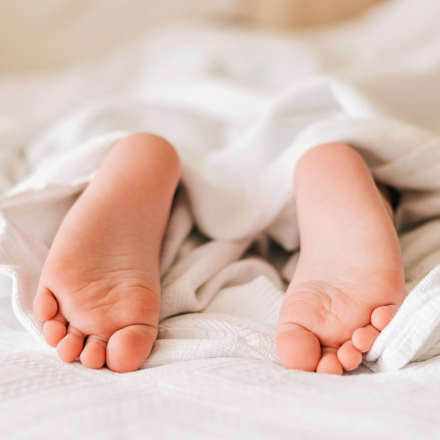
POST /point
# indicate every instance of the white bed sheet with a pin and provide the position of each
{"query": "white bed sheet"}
(236, 92)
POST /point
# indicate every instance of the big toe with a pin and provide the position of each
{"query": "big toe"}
(130, 347)
(298, 349)
(382, 316)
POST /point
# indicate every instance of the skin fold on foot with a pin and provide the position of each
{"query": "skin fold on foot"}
(349, 281)
(99, 291)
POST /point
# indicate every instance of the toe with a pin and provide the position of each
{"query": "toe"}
(93, 354)
(55, 330)
(382, 316)
(71, 346)
(130, 347)
(329, 363)
(298, 349)
(349, 356)
(363, 338)
(45, 304)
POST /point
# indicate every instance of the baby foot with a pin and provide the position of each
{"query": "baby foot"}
(349, 281)
(99, 292)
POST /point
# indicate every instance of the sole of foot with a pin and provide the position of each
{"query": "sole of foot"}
(99, 291)
(349, 282)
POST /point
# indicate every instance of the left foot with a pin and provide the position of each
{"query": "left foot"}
(99, 291)
(349, 281)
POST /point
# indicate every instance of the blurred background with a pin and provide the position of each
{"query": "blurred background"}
(43, 34)
(48, 33)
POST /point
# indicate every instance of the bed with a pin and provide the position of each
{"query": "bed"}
(241, 105)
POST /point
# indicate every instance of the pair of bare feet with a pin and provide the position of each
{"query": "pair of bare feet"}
(99, 292)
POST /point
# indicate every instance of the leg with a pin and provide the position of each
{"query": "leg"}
(99, 292)
(349, 280)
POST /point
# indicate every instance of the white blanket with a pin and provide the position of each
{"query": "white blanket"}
(241, 108)
(212, 94)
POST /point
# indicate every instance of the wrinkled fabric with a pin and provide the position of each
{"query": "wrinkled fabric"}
(241, 108)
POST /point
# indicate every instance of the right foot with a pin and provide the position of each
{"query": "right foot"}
(99, 292)
(349, 281)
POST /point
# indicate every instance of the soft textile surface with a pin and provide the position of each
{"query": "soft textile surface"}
(241, 107)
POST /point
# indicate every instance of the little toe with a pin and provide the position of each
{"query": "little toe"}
(382, 316)
(329, 363)
(130, 347)
(55, 330)
(298, 348)
(93, 354)
(349, 356)
(45, 304)
(363, 338)
(71, 346)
